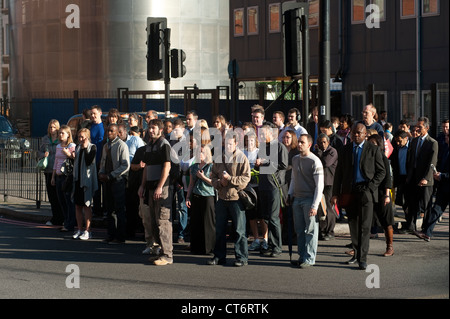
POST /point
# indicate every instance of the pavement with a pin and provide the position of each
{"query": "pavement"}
(27, 210)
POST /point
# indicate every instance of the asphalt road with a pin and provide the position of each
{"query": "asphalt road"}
(34, 262)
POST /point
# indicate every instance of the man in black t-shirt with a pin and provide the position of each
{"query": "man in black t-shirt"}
(155, 185)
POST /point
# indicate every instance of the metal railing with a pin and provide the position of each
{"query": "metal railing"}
(19, 176)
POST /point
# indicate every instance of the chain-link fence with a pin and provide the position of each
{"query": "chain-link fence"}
(18, 173)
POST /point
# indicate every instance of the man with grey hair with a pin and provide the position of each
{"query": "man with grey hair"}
(421, 160)
(369, 121)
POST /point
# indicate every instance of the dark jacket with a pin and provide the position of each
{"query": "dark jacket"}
(371, 165)
(427, 156)
(329, 159)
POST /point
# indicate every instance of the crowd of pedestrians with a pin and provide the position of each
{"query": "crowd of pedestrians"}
(303, 178)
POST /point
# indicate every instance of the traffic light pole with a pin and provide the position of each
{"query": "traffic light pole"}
(306, 64)
(324, 56)
(167, 44)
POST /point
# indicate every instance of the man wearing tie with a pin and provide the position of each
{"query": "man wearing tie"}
(421, 159)
(359, 172)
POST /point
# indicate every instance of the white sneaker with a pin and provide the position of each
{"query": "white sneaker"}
(77, 234)
(49, 223)
(86, 235)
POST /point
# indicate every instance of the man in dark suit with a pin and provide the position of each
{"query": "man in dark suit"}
(441, 175)
(421, 160)
(359, 172)
(399, 159)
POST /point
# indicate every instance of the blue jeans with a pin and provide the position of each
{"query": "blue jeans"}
(307, 229)
(182, 212)
(235, 209)
(65, 200)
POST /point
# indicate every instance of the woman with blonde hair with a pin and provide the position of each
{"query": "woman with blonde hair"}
(48, 150)
(201, 199)
(85, 182)
(64, 150)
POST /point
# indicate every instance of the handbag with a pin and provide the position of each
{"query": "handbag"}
(42, 164)
(323, 208)
(248, 197)
(67, 167)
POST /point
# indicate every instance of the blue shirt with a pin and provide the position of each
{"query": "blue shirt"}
(97, 134)
(134, 143)
(358, 177)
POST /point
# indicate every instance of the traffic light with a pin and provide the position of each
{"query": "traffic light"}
(178, 69)
(293, 42)
(156, 54)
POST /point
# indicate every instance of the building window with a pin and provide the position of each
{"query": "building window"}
(252, 21)
(239, 22)
(380, 100)
(358, 103)
(274, 18)
(408, 106)
(381, 6)
(408, 9)
(358, 11)
(430, 7)
(313, 13)
(427, 104)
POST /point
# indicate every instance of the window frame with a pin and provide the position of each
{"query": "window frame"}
(278, 27)
(249, 9)
(432, 14)
(352, 13)
(415, 117)
(236, 35)
(414, 15)
(317, 14)
(364, 97)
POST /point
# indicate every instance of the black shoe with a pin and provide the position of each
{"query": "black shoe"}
(352, 261)
(240, 263)
(275, 254)
(215, 261)
(362, 265)
(116, 242)
(296, 263)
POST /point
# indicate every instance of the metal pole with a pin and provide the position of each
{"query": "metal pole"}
(306, 64)
(167, 71)
(324, 56)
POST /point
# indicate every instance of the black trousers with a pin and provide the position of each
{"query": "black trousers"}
(420, 202)
(327, 226)
(270, 203)
(360, 215)
(203, 224)
(57, 214)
